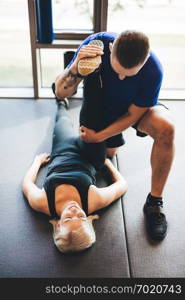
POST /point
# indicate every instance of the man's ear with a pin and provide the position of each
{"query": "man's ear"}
(110, 47)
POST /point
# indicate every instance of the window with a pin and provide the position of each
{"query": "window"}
(52, 64)
(72, 21)
(15, 58)
(73, 15)
(164, 22)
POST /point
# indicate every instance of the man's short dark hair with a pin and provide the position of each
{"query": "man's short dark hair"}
(131, 48)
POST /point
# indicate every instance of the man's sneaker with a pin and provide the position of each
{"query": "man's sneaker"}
(156, 220)
(64, 101)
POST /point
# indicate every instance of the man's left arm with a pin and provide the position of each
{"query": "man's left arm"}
(130, 118)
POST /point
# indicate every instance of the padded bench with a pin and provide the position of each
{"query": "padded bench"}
(27, 249)
(122, 248)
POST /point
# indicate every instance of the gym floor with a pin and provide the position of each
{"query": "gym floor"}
(122, 248)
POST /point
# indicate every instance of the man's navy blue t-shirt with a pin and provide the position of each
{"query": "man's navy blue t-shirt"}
(141, 89)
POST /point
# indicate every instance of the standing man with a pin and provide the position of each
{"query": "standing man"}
(125, 89)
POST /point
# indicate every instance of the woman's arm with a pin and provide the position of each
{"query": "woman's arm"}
(35, 195)
(66, 83)
(102, 197)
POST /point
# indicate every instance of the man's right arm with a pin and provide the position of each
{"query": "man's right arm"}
(66, 83)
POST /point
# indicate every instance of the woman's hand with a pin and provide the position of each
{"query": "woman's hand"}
(42, 158)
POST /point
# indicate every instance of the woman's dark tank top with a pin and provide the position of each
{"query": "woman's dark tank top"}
(69, 168)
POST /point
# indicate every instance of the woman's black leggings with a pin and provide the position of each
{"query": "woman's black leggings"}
(65, 139)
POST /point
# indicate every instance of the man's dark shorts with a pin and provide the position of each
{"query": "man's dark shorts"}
(118, 140)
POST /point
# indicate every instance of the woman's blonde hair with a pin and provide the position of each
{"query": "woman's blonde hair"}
(75, 240)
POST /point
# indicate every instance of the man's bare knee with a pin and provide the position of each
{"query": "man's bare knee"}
(111, 152)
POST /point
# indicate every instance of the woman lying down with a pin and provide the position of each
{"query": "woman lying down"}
(70, 195)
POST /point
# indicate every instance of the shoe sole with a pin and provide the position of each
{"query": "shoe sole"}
(157, 238)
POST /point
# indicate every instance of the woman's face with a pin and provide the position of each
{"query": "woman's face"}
(73, 216)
